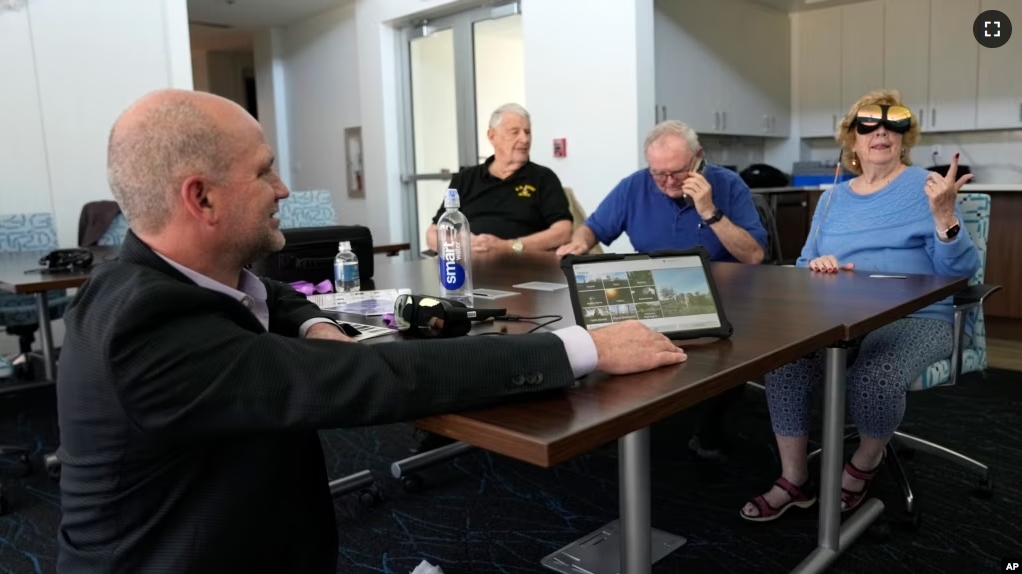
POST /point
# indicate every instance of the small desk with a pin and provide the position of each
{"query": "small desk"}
(20, 273)
(779, 314)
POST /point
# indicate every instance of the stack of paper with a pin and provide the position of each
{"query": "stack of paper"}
(366, 303)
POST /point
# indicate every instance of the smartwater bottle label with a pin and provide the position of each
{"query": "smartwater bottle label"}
(349, 272)
(452, 275)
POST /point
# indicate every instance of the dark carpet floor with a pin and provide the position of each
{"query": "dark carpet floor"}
(485, 513)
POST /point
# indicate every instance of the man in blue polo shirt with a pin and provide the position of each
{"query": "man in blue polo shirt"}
(672, 205)
(678, 203)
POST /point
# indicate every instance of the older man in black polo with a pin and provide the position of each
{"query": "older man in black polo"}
(512, 204)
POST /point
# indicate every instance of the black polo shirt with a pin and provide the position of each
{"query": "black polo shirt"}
(528, 201)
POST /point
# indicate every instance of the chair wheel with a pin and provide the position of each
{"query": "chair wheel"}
(53, 468)
(984, 489)
(908, 521)
(411, 483)
(369, 496)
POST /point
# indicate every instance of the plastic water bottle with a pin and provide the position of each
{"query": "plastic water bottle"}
(454, 245)
(345, 269)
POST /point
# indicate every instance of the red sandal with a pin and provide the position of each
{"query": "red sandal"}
(851, 499)
(800, 497)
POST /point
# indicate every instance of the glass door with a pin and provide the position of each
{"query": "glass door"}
(457, 70)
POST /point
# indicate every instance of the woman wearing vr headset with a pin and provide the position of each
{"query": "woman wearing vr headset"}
(891, 218)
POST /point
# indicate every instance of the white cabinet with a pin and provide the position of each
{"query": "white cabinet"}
(819, 71)
(1000, 74)
(954, 53)
(907, 56)
(862, 51)
(723, 67)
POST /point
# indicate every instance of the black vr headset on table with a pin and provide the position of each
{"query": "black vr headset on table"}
(436, 317)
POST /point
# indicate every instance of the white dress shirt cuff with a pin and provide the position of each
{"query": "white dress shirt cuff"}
(580, 348)
(308, 324)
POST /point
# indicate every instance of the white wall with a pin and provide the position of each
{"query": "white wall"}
(90, 61)
(321, 64)
(24, 178)
(271, 95)
(499, 72)
(589, 78)
(227, 72)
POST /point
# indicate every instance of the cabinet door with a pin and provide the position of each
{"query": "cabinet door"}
(768, 34)
(907, 55)
(1000, 74)
(862, 50)
(686, 68)
(819, 58)
(741, 102)
(954, 63)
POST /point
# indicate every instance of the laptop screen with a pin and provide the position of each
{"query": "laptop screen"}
(667, 294)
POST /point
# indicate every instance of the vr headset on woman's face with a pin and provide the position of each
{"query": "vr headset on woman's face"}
(868, 119)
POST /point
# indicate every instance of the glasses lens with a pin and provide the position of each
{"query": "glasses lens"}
(899, 114)
(869, 115)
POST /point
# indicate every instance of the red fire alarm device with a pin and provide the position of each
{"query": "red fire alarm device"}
(560, 147)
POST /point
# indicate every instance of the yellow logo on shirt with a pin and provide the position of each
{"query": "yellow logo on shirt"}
(525, 190)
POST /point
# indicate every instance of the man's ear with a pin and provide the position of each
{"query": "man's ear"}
(490, 134)
(199, 198)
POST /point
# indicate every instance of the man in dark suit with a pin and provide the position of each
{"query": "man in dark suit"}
(190, 390)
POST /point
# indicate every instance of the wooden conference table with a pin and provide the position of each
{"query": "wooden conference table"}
(779, 314)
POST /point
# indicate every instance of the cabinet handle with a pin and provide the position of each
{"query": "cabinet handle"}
(716, 120)
(656, 113)
(933, 117)
(1020, 112)
(833, 123)
(664, 114)
(921, 117)
(723, 116)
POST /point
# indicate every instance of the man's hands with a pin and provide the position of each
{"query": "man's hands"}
(943, 192)
(327, 331)
(631, 347)
(829, 264)
(575, 247)
(701, 192)
(486, 243)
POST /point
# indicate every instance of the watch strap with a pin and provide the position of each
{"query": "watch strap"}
(717, 216)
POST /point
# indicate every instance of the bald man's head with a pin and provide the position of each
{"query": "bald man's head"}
(164, 138)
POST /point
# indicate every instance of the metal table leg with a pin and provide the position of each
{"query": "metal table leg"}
(628, 544)
(833, 538)
(42, 306)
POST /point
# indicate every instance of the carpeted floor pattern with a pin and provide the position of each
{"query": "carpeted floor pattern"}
(488, 514)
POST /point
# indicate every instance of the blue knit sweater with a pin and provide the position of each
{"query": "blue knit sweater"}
(891, 231)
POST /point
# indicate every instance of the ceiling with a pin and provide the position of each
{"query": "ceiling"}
(800, 5)
(253, 14)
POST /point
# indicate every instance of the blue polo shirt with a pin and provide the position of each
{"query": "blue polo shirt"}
(654, 221)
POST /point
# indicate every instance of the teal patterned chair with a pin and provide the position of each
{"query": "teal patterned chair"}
(307, 209)
(28, 232)
(115, 234)
(969, 355)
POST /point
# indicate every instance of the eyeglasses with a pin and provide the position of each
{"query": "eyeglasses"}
(678, 174)
(868, 119)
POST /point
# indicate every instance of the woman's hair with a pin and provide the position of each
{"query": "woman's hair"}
(846, 133)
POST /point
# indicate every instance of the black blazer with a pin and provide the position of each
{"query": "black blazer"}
(188, 432)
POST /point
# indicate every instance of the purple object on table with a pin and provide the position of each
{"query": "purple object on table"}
(388, 320)
(307, 288)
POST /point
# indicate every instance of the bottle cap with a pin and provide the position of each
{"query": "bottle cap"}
(344, 246)
(451, 199)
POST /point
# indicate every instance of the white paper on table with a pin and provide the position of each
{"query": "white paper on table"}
(492, 293)
(541, 286)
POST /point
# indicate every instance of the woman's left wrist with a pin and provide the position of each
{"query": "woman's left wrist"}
(945, 220)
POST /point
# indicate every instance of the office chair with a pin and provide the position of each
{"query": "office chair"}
(307, 209)
(968, 355)
(578, 217)
(768, 218)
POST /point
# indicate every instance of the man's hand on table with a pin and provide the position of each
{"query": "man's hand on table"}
(631, 347)
(327, 331)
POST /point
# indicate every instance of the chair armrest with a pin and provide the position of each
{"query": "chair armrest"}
(974, 295)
